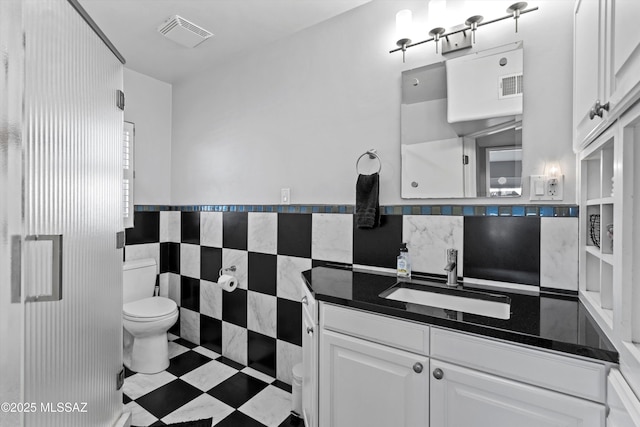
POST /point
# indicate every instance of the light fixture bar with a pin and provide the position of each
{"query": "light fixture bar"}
(466, 28)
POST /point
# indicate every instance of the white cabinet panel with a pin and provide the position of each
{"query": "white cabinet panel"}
(625, 50)
(467, 398)
(400, 334)
(623, 404)
(367, 384)
(588, 66)
(567, 375)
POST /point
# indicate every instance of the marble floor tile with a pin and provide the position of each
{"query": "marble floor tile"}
(205, 351)
(208, 375)
(140, 384)
(271, 406)
(203, 406)
(257, 374)
(139, 415)
(176, 349)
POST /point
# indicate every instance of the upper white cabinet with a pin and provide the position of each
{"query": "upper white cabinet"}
(606, 64)
(588, 66)
(623, 61)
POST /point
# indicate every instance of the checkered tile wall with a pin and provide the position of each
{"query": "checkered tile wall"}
(259, 324)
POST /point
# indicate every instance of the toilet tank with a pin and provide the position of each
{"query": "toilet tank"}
(138, 279)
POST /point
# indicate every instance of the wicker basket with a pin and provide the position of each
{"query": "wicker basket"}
(594, 229)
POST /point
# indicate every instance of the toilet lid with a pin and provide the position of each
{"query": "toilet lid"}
(149, 307)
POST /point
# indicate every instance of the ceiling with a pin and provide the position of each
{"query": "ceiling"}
(237, 25)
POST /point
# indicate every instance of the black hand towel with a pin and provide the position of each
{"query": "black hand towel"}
(367, 203)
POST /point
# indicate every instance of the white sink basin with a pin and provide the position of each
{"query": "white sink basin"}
(490, 305)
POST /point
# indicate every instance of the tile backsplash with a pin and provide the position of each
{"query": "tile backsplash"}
(259, 324)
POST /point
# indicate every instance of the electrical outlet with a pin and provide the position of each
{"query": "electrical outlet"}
(545, 188)
(285, 196)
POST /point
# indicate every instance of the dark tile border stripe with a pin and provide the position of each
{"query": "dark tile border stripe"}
(448, 210)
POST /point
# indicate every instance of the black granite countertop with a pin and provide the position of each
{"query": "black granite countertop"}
(549, 321)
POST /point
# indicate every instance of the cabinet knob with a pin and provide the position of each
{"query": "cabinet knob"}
(417, 367)
(309, 330)
(438, 374)
(598, 109)
(305, 300)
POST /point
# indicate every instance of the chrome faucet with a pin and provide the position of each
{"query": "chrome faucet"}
(452, 267)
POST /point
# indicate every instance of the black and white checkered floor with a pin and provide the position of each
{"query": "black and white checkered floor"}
(199, 384)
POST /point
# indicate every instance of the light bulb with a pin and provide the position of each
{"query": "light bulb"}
(404, 20)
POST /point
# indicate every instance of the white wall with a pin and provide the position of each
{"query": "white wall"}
(299, 112)
(148, 105)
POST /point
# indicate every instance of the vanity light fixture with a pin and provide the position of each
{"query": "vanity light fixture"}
(471, 24)
(516, 9)
(436, 33)
(403, 30)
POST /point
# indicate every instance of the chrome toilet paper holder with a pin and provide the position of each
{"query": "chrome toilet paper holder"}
(232, 269)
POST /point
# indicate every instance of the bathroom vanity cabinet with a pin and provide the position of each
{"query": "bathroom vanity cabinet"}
(377, 370)
(374, 371)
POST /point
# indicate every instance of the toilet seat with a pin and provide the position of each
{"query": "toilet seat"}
(149, 309)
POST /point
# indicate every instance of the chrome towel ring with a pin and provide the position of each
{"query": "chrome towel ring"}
(372, 155)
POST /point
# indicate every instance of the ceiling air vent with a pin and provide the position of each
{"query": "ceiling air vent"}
(183, 32)
(510, 85)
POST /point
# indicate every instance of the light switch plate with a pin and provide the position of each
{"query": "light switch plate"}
(285, 196)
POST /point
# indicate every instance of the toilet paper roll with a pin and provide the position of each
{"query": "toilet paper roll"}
(228, 283)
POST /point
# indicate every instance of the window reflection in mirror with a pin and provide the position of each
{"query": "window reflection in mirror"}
(466, 152)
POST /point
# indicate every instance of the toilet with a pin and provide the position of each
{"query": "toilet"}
(145, 319)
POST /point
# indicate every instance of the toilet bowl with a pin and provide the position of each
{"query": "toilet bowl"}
(145, 319)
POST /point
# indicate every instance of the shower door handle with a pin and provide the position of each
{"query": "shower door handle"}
(56, 267)
(16, 268)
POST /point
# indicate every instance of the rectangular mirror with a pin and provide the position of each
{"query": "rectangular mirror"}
(461, 126)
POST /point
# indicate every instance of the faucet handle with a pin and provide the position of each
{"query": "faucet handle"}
(452, 255)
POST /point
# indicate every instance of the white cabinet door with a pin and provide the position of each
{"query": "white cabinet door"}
(588, 66)
(623, 404)
(371, 385)
(624, 60)
(310, 366)
(468, 398)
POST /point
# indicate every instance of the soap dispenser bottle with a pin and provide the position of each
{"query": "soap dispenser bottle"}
(404, 262)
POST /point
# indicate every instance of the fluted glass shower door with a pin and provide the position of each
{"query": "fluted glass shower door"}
(63, 212)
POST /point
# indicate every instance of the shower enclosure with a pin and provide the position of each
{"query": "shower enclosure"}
(61, 183)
